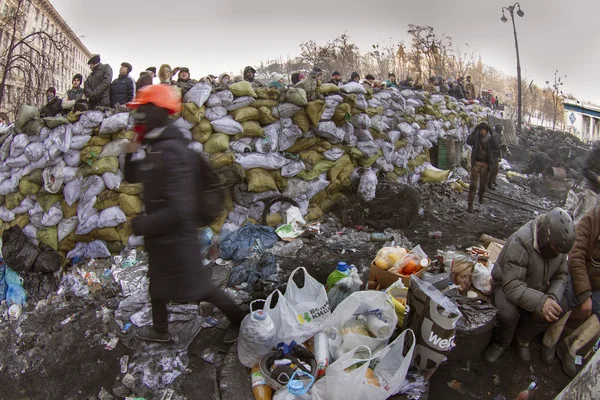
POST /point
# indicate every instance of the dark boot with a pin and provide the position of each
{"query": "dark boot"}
(481, 199)
(470, 208)
(492, 186)
(547, 354)
(523, 351)
(492, 353)
(148, 333)
(231, 336)
(567, 359)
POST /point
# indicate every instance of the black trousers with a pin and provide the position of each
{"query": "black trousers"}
(494, 167)
(512, 320)
(160, 314)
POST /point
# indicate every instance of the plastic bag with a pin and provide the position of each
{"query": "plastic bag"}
(239, 244)
(433, 317)
(79, 142)
(257, 337)
(198, 94)
(251, 270)
(344, 288)
(482, 279)
(61, 137)
(111, 217)
(367, 187)
(53, 216)
(345, 377)
(222, 98)
(48, 261)
(113, 180)
(54, 177)
(477, 314)
(310, 301)
(18, 251)
(66, 227)
(368, 308)
(285, 317)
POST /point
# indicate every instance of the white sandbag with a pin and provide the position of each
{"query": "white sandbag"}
(53, 216)
(113, 180)
(70, 173)
(17, 162)
(86, 210)
(382, 163)
(227, 125)
(41, 163)
(268, 161)
(135, 241)
(34, 151)
(330, 131)
(88, 225)
(196, 147)
(26, 205)
(198, 94)
(61, 137)
(388, 151)
(367, 187)
(353, 87)
(96, 249)
(31, 232)
(114, 148)
(409, 110)
(66, 227)
(54, 177)
(244, 145)
(92, 186)
(182, 124)
(78, 251)
(79, 142)
(240, 102)
(288, 136)
(73, 157)
(361, 102)
(78, 129)
(379, 123)
(238, 215)
(9, 186)
(273, 133)
(350, 137)
(334, 154)
(285, 110)
(53, 151)
(114, 123)
(363, 135)
(4, 176)
(5, 147)
(111, 217)
(215, 113)
(361, 121)
(369, 148)
(328, 114)
(18, 145)
(36, 214)
(222, 99)
(91, 119)
(6, 215)
(293, 168)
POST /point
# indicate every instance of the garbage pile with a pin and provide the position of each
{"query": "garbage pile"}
(62, 180)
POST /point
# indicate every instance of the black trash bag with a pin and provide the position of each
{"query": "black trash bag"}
(477, 314)
(48, 261)
(18, 251)
(253, 269)
(38, 286)
(238, 245)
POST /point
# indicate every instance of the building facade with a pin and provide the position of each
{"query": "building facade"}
(582, 119)
(41, 16)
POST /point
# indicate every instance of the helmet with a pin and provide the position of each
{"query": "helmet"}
(162, 96)
(559, 229)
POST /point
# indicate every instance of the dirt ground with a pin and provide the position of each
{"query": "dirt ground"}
(42, 359)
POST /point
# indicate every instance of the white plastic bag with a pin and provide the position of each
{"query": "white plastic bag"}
(285, 318)
(341, 382)
(111, 217)
(54, 177)
(96, 249)
(482, 279)
(66, 227)
(310, 301)
(367, 187)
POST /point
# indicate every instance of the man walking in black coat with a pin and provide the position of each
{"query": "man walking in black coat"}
(122, 89)
(170, 227)
(482, 156)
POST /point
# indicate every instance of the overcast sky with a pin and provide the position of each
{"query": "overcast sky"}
(226, 35)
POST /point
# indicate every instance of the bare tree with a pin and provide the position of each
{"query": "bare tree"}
(430, 53)
(462, 61)
(30, 60)
(557, 94)
(383, 58)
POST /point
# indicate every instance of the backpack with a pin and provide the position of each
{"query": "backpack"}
(209, 192)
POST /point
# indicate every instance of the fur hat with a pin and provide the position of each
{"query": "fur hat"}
(151, 69)
(77, 76)
(128, 66)
(95, 59)
(162, 72)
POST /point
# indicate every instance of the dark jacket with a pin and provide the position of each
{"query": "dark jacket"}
(584, 258)
(52, 108)
(122, 90)
(459, 91)
(145, 80)
(591, 167)
(169, 226)
(526, 277)
(97, 86)
(492, 146)
(75, 94)
(185, 86)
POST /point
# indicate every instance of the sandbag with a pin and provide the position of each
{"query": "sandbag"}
(106, 199)
(227, 125)
(92, 187)
(192, 113)
(72, 191)
(53, 216)
(26, 113)
(245, 114)
(113, 180)
(114, 123)
(368, 185)
(34, 151)
(27, 187)
(432, 174)
(114, 148)
(66, 227)
(54, 177)
(131, 205)
(72, 158)
(103, 165)
(215, 113)
(198, 94)
(13, 200)
(285, 110)
(330, 131)
(48, 200)
(241, 102)
(90, 153)
(301, 119)
(315, 110)
(18, 145)
(353, 87)
(268, 161)
(221, 160)
(328, 88)
(265, 116)
(222, 98)
(252, 129)
(48, 236)
(217, 143)
(202, 131)
(242, 88)
(296, 96)
(259, 180)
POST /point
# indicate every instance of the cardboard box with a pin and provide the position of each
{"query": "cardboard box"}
(386, 278)
(494, 249)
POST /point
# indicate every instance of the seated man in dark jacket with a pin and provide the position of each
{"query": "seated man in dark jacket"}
(484, 147)
(97, 84)
(122, 89)
(529, 281)
(170, 227)
(54, 105)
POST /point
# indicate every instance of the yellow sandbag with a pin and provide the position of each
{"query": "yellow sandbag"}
(192, 113)
(27, 187)
(252, 129)
(330, 201)
(124, 231)
(218, 223)
(400, 144)
(48, 236)
(106, 234)
(260, 181)
(315, 110)
(296, 96)
(310, 157)
(13, 200)
(342, 114)
(68, 212)
(201, 132)
(367, 162)
(371, 112)
(129, 135)
(335, 171)
(36, 177)
(245, 114)
(400, 171)
(216, 143)
(22, 220)
(264, 93)
(302, 144)
(265, 116)
(67, 244)
(280, 181)
(130, 188)
(431, 175)
(301, 119)
(107, 199)
(220, 160)
(318, 169)
(314, 213)
(321, 146)
(274, 220)
(131, 205)
(264, 103)
(74, 116)
(243, 88)
(99, 141)
(48, 200)
(228, 201)
(90, 153)
(104, 165)
(328, 88)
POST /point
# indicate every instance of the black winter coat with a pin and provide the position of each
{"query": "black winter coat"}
(169, 227)
(97, 86)
(591, 167)
(52, 108)
(122, 90)
(492, 147)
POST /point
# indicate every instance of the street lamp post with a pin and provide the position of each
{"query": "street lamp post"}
(520, 13)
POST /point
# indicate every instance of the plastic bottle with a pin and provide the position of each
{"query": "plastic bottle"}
(257, 337)
(295, 389)
(527, 393)
(322, 353)
(341, 272)
(260, 389)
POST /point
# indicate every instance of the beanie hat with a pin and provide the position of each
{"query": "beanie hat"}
(51, 90)
(354, 75)
(95, 59)
(128, 66)
(336, 73)
(184, 69)
(151, 69)
(370, 77)
(77, 76)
